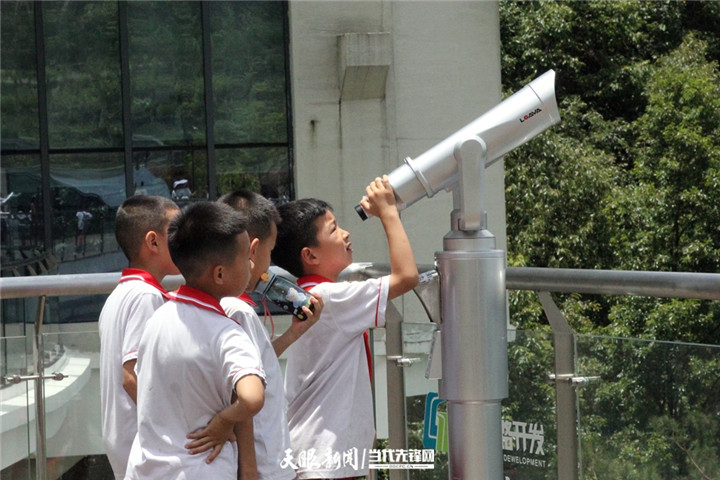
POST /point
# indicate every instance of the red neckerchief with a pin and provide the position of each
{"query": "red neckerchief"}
(198, 298)
(308, 282)
(138, 274)
(266, 311)
(247, 299)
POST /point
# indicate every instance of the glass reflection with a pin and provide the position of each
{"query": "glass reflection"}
(86, 191)
(248, 71)
(83, 74)
(166, 75)
(263, 170)
(18, 84)
(21, 214)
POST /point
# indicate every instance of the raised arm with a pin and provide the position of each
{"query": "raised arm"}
(380, 201)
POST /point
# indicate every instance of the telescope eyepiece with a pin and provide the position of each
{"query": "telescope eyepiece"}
(361, 212)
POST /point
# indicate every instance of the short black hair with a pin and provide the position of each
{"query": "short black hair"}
(260, 211)
(137, 216)
(296, 231)
(204, 234)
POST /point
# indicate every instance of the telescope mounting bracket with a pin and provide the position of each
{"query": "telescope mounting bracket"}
(471, 157)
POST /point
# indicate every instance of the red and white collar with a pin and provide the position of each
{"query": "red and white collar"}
(198, 298)
(143, 276)
(247, 299)
(309, 281)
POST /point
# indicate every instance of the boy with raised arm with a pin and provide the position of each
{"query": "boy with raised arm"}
(327, 378)
(194, 361)
(141, 226)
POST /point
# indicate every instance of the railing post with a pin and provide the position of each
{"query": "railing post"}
(397, 419)
(40, 450)
(565, 395)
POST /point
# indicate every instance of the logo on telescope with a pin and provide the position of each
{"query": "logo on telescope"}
(530, 115)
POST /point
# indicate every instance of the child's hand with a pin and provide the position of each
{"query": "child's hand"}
(298, 327)
(213, 436)
(380, 197)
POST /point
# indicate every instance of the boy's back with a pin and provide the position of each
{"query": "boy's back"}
(197, 370)
(121, 323)
(141, 225)
(191, 355)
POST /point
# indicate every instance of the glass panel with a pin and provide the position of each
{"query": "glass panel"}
(529, 430)
(86, 191)
(263, 170)
(426, 414)
(166, 75)
(177, 174)
(653, 411)
(72, 405)
(529, 437)
(83, 74)
(21, 211)
(17, 427)
(248, 71)
(18, 76)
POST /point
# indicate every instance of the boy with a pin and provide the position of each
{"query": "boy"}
(194, 361)
(141, 226)
(327, 378)
(270, 424)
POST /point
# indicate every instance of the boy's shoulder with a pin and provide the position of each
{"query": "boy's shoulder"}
(134, 293)
(238, 308)
(345, 289)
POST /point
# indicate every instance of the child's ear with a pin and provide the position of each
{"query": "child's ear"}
(308, 256)
(253, 248)
(152, 240)
(217, 274)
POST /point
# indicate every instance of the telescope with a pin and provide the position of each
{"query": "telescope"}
(511, 123)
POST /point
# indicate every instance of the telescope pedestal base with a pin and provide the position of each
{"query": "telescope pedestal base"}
(473, 425)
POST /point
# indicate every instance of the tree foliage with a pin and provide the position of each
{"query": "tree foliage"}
(629, 181)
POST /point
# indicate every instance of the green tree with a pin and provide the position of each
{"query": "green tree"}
(628, 180)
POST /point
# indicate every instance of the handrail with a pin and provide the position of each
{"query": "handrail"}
(615, 282)
(601, 282)
(67, 284)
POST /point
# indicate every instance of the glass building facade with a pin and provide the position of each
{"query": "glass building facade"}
(103, 100)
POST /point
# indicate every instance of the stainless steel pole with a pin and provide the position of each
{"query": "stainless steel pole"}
(40, 447)
(474, 327)
(474, 354)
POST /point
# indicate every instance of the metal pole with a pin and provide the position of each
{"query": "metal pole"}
(397, 419)
(473, 329)
(565, 396)
(40, 447)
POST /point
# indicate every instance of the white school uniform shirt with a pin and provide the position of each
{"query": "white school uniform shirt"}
(272, 437)
(327, 380)
(121, 324)
(191, 356)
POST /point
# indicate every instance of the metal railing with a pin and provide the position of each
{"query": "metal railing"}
(542, 280)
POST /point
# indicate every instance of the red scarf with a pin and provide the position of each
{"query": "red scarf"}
(198, 298)
(138, 274)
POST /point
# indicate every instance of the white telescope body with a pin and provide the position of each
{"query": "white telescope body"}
(519, 118)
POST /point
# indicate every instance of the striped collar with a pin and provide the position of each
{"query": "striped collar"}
(309, 281)
(247, 299)
(198, 298)
(129, 274)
